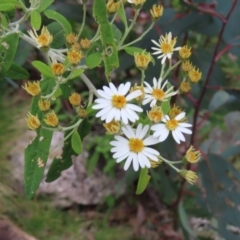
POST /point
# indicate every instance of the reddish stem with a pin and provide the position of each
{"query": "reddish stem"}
(198, 105)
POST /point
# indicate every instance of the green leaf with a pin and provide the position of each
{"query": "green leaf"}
(44, 69)
(57, 94)
(184, 220)
(8, 48)
(59, 18)
(121, 13)
(132, 50)
(36, 20)
(166, 106)
(44, 4)
(93, 60)
(4, 21)
(8, 5)
(65, 161)
(57, 31)
(76, 143)
(219, 99)
(75, 73)
(36, 153)
(142, 181)
(109, 54)
(16, 72)
(116, 33)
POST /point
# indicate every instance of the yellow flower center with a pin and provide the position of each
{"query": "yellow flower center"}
(43, 40)
(119, 101)
(166, 48)
(155, 116)
(136, 145)
(112, 127)
(172, 124)
(191, 156)
(159, 94)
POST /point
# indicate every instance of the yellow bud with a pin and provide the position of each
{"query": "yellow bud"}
(33, 121)
(185, 87)
(85, 44)
(194, 75)
(44, 104)
(33, 88)
(142, 60)
(155, 164)
(156, 12)
(75, 99)
(57, 69)
(51, 119)
(185, 52)
(75, 57)
(155, 114)
(76, 47)
(192, 155)
(82, 113)
(112, 127)
(189, 175)
(187, 66)
(113, 6)
(71, 38)
(174, 112)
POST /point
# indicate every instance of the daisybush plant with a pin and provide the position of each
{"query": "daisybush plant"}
(134, 130)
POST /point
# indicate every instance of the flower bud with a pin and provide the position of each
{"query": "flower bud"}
(185, 52)
(156, 12)
(194, 75)
(51, 119)
(44, 104)
(33, 121)
(113, 6)
(33, 88)
(57, 69)
(142, 60)
(75, 99)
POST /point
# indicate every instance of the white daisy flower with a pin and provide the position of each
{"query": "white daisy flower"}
(156, 93)
(165, 47)
(114, 104)
(134, 148)
(161, 131)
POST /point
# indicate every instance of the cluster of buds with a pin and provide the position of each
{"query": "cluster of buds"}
(76, 100)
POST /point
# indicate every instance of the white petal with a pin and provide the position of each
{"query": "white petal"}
(135, 162)
(133, 95)
(151, 150)
(155, 82)
(131, 115)
(185, 124)
(141, 160)
(117, 143)
(150, 141)
(148, 85)
(151, 156)
(156, 43)
(126, 88)
(117, 115)
(104, 94)
(184, 130)
(113, 88)
(165, 83)
(147, 100)
(126, 132)
(103, 101)
(111, 115)
(103, 111)
(138, 130)
(146, 161)
(100, 106)
(164, 136)
(124, 116)
(122, 158)
(144, 131)
(163, 60)
(120, 153)
(120, 88)
(128, 162)
(180, 116)
(158, 127)
(122, 148)
(153, 103)
(108, 91)
(179, 135)
(131, 132)
(175, 136)
(134, 107)
(121, 139)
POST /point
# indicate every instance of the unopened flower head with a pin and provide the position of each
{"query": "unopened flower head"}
(194, 75)
(33, 121)
(134, 148)
(75, 57)
(43, 40)
(82, 113)
(51, 119)
(113, 6)
(185, 86)
(156, 12)
(137, 3)
(185, 52)
(57, 69)
(33, 88)
(142, 60)
(175, 125)
(114, 105)
(112, 127)
(75, 99)
(175, 111)
(187, 66)
(85, 44)
(155, 114)
(189, 175)
(141, 88)
(75, 47)
(192, 155)
(71, 38)
(155, 164)
(157, 93)
(44, 104)
(165, 47)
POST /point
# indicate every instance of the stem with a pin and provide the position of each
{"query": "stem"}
(84, 19)
(138, 39)
(90, 86)
(170, 69)
(129, 28)
(170, 164)
(162, 70)
(143, 76)
(52, 93)
(197, 107)
(90, 98)
(95, 38)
